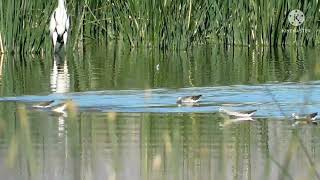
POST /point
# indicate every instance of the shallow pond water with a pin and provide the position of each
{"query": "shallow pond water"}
(125, 123)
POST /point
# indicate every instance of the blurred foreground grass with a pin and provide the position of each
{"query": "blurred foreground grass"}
(152, 146)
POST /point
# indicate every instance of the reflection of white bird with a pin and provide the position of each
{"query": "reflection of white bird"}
(59, 25)
(60, 77)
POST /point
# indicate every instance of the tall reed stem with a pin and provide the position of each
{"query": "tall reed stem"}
(1, 45)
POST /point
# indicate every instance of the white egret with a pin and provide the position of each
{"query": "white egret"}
(59, 25)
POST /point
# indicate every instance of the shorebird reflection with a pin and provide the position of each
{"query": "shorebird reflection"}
(60, 78)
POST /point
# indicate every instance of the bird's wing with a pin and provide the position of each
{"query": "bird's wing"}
(47, 103)
(248, 112)
(68, 23)
(53, 22)
(44, 104)
(196, 97)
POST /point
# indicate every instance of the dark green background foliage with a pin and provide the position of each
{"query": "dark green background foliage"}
(167, 24)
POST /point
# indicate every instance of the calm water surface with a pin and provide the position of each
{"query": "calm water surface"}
(126, 125)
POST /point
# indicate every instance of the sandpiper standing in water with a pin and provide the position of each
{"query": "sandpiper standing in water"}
(188, 100)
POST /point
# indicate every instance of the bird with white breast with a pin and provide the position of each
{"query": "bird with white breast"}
(59, 26)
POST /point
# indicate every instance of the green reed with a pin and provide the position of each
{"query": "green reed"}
(24, 25)
(168, 24)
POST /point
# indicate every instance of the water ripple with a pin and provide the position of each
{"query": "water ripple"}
(274, 100)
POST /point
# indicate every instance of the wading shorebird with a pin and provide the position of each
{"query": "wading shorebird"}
(59, 26)
(240, 114)
(52, 106)
(188, 100)
(46, 104)
(308, 119)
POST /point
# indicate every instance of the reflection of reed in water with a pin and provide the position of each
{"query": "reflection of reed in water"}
(60, 78)
(1, 46)
(1, 64)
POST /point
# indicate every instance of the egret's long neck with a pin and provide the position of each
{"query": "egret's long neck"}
(61, 3)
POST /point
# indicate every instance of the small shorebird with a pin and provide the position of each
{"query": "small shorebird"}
(234, 116)
(241, 114)
(59, 25)
(308, 119)
(52, 106)
(188, 99)
(46, 104)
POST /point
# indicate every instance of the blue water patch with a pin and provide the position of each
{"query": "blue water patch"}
(271, 100)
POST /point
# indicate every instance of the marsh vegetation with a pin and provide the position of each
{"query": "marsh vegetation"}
(126, 64)
(169, 24)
